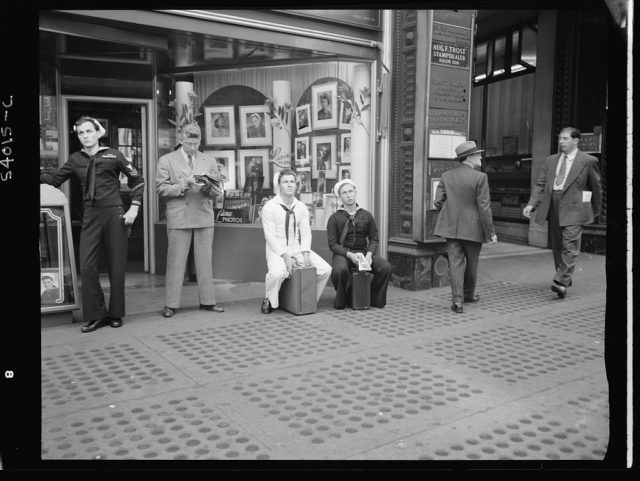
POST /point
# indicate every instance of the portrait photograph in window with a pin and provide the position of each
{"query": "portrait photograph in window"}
(303, 119)
(346, 114)
(219, 124)
(303, 182)
(51, 288)
(324, 157)
(226, 160)
(344, 172)
(253, 163)
(255, 127)
(302, 152)
(325, 110)
(345, 149)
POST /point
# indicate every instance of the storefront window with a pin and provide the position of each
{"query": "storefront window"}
(49, 146)
(257, 120)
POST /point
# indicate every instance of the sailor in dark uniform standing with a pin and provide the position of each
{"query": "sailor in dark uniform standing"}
(104, 223)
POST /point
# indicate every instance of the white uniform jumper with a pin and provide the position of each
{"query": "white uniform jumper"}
(294, 241)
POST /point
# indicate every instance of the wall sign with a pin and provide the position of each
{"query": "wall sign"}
(370, 19)
(590, 143)
(449, 88)
(443, 142)
(450, 45)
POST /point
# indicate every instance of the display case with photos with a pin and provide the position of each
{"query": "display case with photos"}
(58, 281)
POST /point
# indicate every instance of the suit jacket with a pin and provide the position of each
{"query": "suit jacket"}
(464, 202)
(584, 176)
(189, 209)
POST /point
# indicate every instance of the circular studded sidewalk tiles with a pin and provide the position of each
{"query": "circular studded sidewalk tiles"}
(172, 428)
(353, 397)
(247, 345)
(512, 354)
(529, 438)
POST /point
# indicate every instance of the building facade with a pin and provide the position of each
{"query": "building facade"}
(382, 96)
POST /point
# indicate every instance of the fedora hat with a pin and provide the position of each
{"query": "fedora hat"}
(466, 148)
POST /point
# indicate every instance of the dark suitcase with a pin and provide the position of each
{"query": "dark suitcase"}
(361, 289)
(298, 294)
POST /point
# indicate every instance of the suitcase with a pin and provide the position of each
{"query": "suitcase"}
(298, 294)
(361, 289)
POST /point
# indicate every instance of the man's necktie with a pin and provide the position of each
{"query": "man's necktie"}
(345, 229)
(90, 180)
(286, 221)
(563, 167)
(190, 162)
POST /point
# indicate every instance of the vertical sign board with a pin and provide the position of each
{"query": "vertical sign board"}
(447, 126)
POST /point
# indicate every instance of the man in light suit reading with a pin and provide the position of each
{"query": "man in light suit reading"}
(189, 215)
(568, 194)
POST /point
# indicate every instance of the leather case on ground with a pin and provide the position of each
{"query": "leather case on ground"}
(361, 290)
(298, 293)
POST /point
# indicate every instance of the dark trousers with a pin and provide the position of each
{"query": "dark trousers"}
(565, 243)
(463, 267)
(102, 227)
(342, 279)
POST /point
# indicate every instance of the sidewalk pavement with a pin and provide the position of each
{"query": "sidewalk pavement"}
(519, 375)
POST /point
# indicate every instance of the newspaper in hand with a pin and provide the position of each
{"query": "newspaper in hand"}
(216, 185)
(363, 265)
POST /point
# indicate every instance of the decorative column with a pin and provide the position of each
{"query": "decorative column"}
(281, 120)
(361, 161)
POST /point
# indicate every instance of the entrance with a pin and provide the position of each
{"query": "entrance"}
(123, 123)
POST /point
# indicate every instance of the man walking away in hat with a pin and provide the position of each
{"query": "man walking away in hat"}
(465, 220)
(352, 230)
(568, 194)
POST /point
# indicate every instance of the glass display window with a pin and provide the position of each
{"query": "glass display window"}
(313, 118)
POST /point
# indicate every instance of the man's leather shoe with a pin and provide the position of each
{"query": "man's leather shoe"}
(168, 312)
(115, 321)
(456, 307)
(213, 308)
(560, 290)
(266, 306)
(472, 299)
(93, 325)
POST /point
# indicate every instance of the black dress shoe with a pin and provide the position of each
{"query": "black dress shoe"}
(93, 325)
(115, 321)
(560, 290)
(168, 312)
(213, 308)
(472, 299)
(457, 307)
(266, 306)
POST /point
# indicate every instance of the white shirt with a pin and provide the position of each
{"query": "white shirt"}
(273, 225)
(568, 164)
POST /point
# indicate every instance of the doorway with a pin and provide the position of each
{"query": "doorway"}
(125, 125)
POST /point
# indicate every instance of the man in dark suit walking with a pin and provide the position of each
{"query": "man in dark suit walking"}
(568, 194)
(465, 220)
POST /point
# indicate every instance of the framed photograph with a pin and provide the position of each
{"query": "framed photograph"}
(324, 156)
(302, 152)
(303, 181)
(325, 110)
(344, 172)
(345, 149)
(303, 119)
(226, 160)
(219, 125)
(51, 287)
(253, 163)
(346, 113)
(215, 48)
(255, 127)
